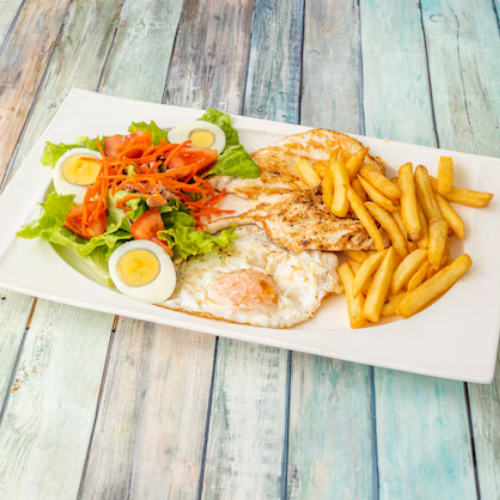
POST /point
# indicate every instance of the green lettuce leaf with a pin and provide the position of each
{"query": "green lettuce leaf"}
(234, 160)
(98, 261)
(53, 152)
(157, 134)
(185, 241)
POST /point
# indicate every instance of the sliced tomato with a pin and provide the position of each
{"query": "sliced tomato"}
(74, 222)
(200, 158)
(147, 225)
(164, 245)
(112, 144)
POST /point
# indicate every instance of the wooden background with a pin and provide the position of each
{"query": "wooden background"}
(93, 406)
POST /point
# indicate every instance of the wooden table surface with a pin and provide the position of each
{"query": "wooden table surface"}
(93, 406)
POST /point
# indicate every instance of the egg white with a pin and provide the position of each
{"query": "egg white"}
(180, 134)
(63, 186)
(154, 292)
(301, 281)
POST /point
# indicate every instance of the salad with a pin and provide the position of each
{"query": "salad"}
(152, 184)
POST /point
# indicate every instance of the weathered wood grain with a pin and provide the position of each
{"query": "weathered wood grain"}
(77, 61)
(422, 429)
(331, 66)
(247, 426)
(210, 55)
(142, 49)
(15, 310)
(395, 73)
(9, 10)
(149, 436)
(330, 452)
(22, 64)
(463, 47)
(331, 440)
(45, 430)
(274, 68)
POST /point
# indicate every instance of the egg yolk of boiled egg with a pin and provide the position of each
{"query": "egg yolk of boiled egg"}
(138, 267)
(81, 170)
(246, 289)
(201, 138)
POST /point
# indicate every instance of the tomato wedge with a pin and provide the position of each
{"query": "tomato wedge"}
(146, 227)
(112, 144)
(200, 158)
(73, 222)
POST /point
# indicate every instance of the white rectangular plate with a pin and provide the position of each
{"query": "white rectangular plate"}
(455, 338)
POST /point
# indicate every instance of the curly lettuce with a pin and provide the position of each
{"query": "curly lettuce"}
(53, 152)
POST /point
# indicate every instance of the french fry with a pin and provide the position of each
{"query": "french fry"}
(391, 306)
(445, 175)
(476, 199)
(425, 194)
(451, 217)
(379, 288)
(355, 265)
(354, 305)
(407, 269)
(438, 235)
(308, 174)
(327, 187)
(375, 195)
(321, 167)
(340, 204)
(384, 218)
(434, 287)
(395, 181)
(365, 218)
(409, 208)
(343, 156)
(356, 185)
(418, 278)
(446, 255)
(357, 255)
(366, 270)
(356, 162)
(382, 183)
(423, 242)
(430, 272)
(412, 245)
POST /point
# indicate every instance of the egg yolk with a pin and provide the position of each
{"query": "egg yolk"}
(138, 267)
(201, 138)
(246, 289)
(81, 169)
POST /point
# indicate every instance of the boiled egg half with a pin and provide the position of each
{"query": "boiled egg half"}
(75, 171)
(201, 134)
(142, 270)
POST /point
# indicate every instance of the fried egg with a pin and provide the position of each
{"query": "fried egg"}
(201, 134)
(142, 270)
(254, 281)
(75, 171)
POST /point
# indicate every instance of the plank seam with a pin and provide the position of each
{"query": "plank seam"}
(361, 87)
(495, 10)
(12, 27)
(428, 69)
(472, 441)
(376, 478)
(301, 80)
(16, 365)
(207, 423)
(284, 466)
(243, 104)
(13, 158)
(98, 407)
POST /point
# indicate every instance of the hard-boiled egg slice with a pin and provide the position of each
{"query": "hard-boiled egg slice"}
(142, 270)
(201, 134)
(75, 171)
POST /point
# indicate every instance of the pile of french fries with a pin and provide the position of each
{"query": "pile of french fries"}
(413, 212)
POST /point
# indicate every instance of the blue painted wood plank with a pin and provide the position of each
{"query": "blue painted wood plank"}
(422, 429)
(331, 447)
(463, 47)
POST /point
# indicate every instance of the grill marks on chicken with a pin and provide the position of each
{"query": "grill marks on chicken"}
(297, 221)
(278, 163)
